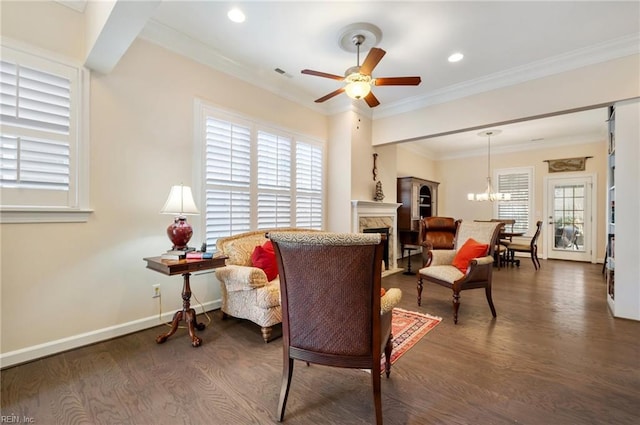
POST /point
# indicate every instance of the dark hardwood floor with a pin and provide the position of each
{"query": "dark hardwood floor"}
(554, 355)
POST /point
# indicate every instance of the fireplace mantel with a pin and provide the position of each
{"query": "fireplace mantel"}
(386, 211)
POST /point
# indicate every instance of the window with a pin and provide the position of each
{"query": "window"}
(42, 167)
(257, 177)
(517, 182)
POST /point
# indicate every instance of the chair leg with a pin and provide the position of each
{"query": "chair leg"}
(287, 373)
(266, 333)
(534, 256)
(456, 306)
(419, 291)
(387, 355)
(487, 292)
(377, 393)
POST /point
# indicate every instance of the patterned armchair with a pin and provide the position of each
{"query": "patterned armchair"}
(246, 291)
(468, 266)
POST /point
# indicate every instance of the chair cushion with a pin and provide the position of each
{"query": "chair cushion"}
(470, 249)
(264, 258)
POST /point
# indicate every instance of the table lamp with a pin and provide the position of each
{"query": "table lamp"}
(180, 202)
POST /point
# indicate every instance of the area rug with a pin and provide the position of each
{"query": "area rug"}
(408, 327)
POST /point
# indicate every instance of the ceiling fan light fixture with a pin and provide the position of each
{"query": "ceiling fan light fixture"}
(358, 85)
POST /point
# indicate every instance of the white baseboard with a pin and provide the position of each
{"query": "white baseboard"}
(13, 358)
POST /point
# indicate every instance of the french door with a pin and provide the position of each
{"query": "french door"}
(569, 230)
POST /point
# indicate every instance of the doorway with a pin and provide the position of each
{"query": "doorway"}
(570, 220)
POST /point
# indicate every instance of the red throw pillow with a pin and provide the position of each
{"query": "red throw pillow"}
(264, 258)
(470, 249)
(382, 292)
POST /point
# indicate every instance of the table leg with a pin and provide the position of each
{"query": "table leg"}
(187, 314)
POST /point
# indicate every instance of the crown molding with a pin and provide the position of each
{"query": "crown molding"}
(182, 44)
(77, 5)
(582, 139)
(598, 53)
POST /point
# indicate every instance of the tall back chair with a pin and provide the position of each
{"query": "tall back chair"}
(531, 248)
(436, 233)
(468, 266)
(501, 251)
(332, 311)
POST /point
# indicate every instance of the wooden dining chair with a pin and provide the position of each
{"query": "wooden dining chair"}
(531, 248)
(501, 252)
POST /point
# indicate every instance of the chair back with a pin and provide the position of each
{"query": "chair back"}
(482, 231)
(437, 232)
(534, 239)
(330, 292)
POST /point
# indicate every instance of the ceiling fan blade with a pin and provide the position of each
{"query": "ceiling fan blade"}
(322, 74)
(397, 81)
(371, 60)
(371, 100)
(330, 95)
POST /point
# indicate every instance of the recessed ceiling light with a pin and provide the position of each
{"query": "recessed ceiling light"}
(456, 57)
(236, 15)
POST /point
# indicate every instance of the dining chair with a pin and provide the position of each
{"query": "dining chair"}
(333, 313)
(501, 253)
(531, 248)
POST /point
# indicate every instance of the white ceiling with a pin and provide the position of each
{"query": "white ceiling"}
(503, 42)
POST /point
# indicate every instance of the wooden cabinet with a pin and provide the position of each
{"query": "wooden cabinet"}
(419, 198)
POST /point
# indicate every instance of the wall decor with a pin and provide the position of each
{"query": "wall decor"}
(567, 164)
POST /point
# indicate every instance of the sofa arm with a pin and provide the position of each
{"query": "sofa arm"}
(241, 278)
(390, 299)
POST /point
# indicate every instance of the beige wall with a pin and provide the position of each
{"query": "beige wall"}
(465, 175)
(88, 280)
(607, 82)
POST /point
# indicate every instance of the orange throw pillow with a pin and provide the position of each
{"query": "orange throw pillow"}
(264, 258)
(470, 249)
(382, 292)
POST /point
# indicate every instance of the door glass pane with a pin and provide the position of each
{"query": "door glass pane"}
(568, 217)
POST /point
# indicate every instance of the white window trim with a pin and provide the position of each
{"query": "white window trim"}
(80, 211)
(202, 109)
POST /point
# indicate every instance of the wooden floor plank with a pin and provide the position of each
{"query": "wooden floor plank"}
(554, 355)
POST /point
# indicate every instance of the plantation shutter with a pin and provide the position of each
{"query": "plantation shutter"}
(228, 179)
(35, 110)
(309, 184)
(518, 184)
(274, 181)
(257, 177)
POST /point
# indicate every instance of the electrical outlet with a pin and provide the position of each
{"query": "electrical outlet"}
(156, 290)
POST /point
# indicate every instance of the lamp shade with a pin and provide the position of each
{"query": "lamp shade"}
(358, 89)
(180, 201)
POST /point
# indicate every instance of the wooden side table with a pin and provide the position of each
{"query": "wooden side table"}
(185, 268)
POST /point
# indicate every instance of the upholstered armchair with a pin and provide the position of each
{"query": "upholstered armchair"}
(468, 266)
(436, 233)
(246, 291)
(333, 312)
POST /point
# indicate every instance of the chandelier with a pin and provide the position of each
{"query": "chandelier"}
(489, 194)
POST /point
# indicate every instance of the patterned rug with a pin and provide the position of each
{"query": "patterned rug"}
(408, 327)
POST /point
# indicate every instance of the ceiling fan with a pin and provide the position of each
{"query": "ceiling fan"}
(358, 78)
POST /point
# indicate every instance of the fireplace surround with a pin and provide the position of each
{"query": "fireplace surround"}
(376, 215)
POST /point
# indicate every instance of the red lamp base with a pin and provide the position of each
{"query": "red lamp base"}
(179, 233)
